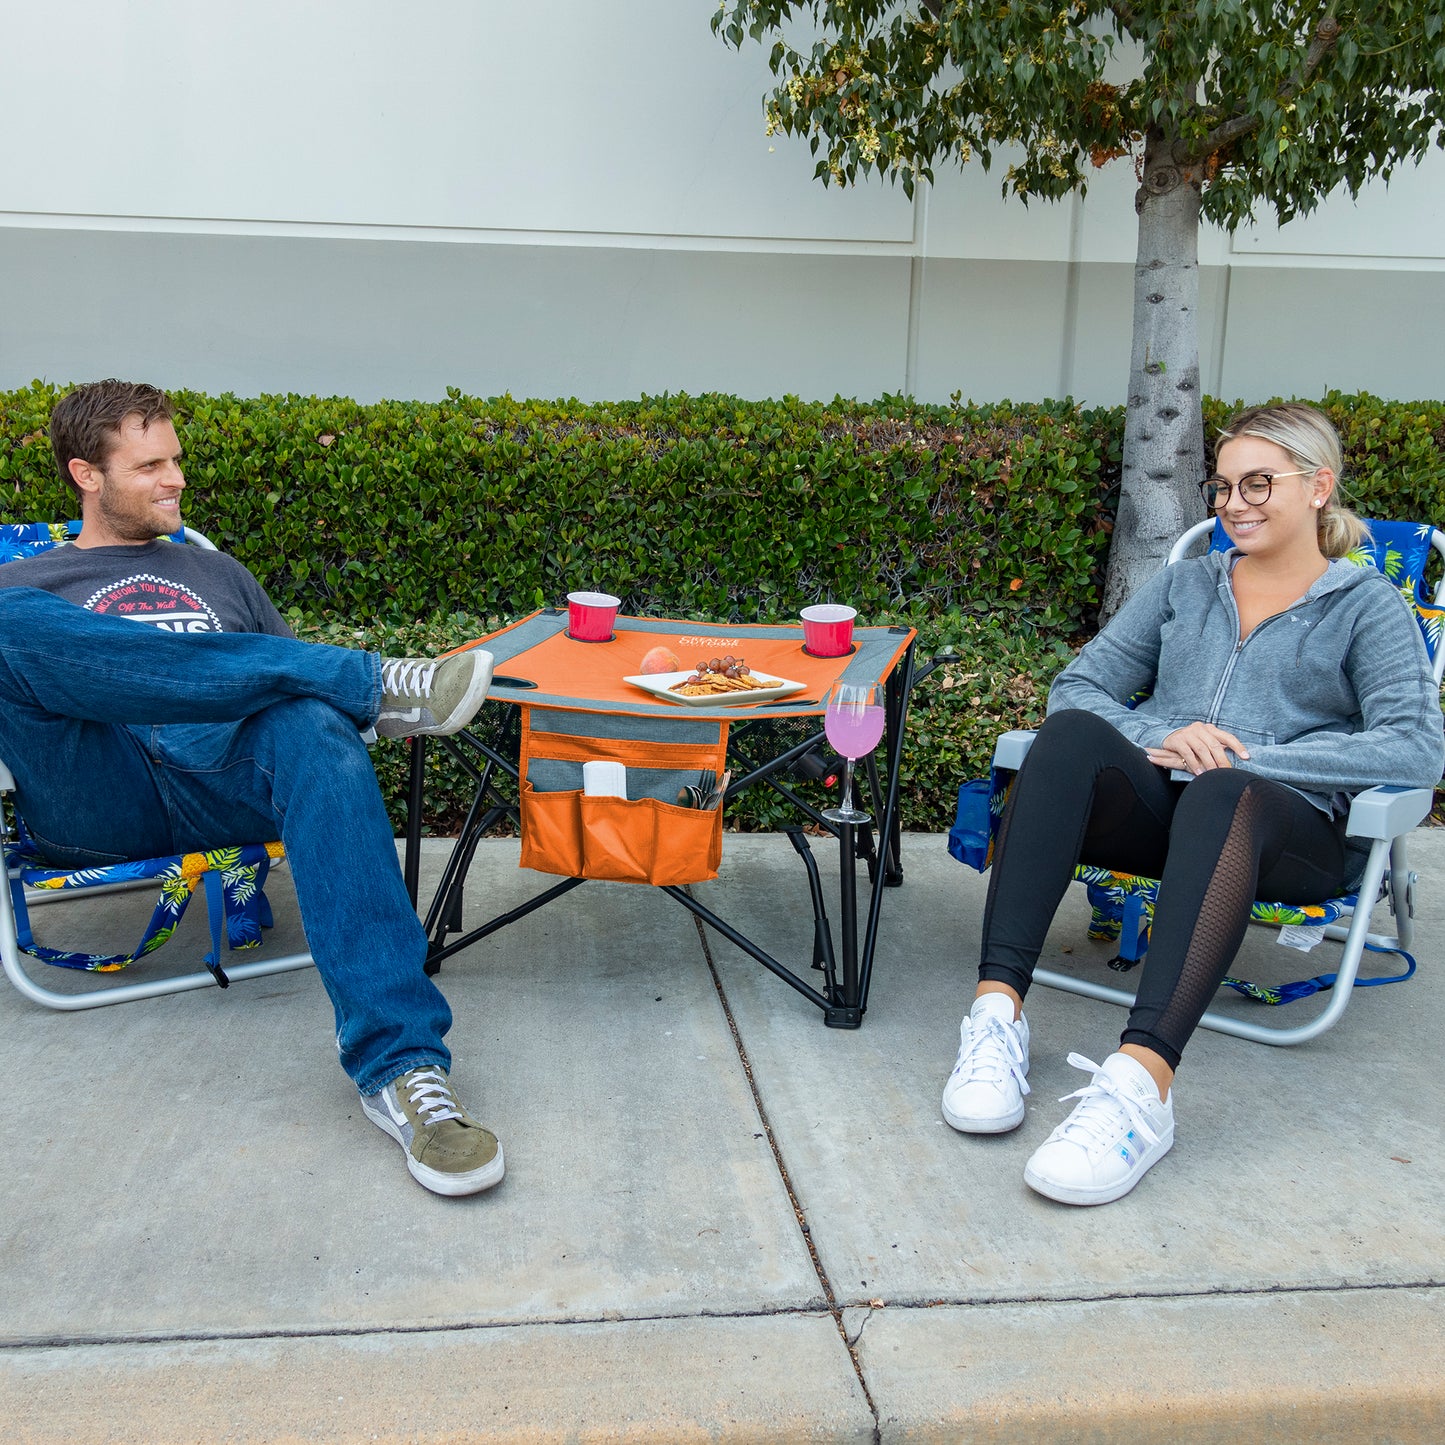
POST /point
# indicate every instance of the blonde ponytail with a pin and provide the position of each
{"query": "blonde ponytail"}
(1341, 531)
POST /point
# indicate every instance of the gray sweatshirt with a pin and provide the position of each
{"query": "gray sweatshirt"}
(1331, 696)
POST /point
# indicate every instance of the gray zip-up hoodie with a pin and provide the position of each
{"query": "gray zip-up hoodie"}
(1331, 696)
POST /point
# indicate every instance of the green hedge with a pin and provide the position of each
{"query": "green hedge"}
(412, 525)
(708, 506)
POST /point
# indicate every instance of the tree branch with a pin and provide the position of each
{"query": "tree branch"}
(934, 7)
(1326, 37)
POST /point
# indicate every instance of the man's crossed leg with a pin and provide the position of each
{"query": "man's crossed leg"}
(128, 741)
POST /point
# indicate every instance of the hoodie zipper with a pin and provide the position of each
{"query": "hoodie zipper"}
(1218, 702)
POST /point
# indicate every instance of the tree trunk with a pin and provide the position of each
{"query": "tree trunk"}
(1164, 427)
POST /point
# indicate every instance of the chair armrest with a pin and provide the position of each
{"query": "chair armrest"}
(1387, 812)
(1012, 748)
(7, 781)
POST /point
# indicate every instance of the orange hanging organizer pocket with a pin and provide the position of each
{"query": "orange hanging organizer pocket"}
(645, 837)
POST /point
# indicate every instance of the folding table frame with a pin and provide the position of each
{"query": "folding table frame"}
(764, 749)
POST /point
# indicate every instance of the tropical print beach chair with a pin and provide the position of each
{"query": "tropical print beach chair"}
(25, 539)
(1122, 905)
(232, 879)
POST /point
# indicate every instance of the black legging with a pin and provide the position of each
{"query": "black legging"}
(1086, 794)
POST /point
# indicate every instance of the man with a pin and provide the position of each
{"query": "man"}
(214, 726)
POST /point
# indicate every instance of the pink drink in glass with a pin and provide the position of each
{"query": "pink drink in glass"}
(853, 731)
(853, 721)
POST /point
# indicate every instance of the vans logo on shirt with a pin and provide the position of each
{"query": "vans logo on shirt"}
(156, 600)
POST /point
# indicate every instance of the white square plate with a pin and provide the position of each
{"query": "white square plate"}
(659, 683)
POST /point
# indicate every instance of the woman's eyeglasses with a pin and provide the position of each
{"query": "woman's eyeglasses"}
(1254, 487)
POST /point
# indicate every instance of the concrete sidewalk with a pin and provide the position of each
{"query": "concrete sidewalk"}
(720, 1219)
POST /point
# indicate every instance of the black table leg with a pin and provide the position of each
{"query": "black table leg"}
(900, 687)
(823, 958)
(411, 871)
(847, 1012)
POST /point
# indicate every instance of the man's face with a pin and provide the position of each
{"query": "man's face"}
(135, 495)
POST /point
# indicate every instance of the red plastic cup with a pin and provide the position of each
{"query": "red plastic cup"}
(590, 616)
(828, 629)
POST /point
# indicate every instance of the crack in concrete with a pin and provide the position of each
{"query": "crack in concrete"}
(862, 1325)
(164, 1337)
(345, 1332)
(834, 1308)
(1005, 1301)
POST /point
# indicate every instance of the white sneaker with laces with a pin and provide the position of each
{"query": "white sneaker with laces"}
(985, 1092)
(1119, 1128)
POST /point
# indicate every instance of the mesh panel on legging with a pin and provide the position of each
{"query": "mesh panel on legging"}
(1219, 926)
(1273, 842)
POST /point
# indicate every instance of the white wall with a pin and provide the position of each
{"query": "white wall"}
(579, 199)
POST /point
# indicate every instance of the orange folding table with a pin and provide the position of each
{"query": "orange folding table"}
(557, 703)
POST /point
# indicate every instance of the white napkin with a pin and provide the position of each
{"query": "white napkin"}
(604, 780)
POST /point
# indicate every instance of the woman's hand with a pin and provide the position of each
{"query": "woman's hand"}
(1197, 748)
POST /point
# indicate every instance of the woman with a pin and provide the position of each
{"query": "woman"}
(1282, 681)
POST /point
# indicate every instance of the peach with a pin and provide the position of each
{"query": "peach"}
(660, 659)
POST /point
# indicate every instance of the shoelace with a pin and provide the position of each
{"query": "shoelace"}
(992, 1052)
(407, 675)
(1097, 1114)
(433, 1097)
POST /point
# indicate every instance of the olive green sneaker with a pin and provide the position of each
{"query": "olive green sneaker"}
(422, 695)
(447, 1151)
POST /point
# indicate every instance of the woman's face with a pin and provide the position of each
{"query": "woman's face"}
(1289, 520)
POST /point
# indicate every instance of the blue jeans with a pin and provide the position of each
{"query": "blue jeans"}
(127, 741)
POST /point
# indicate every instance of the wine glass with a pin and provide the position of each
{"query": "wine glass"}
(853, 720)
